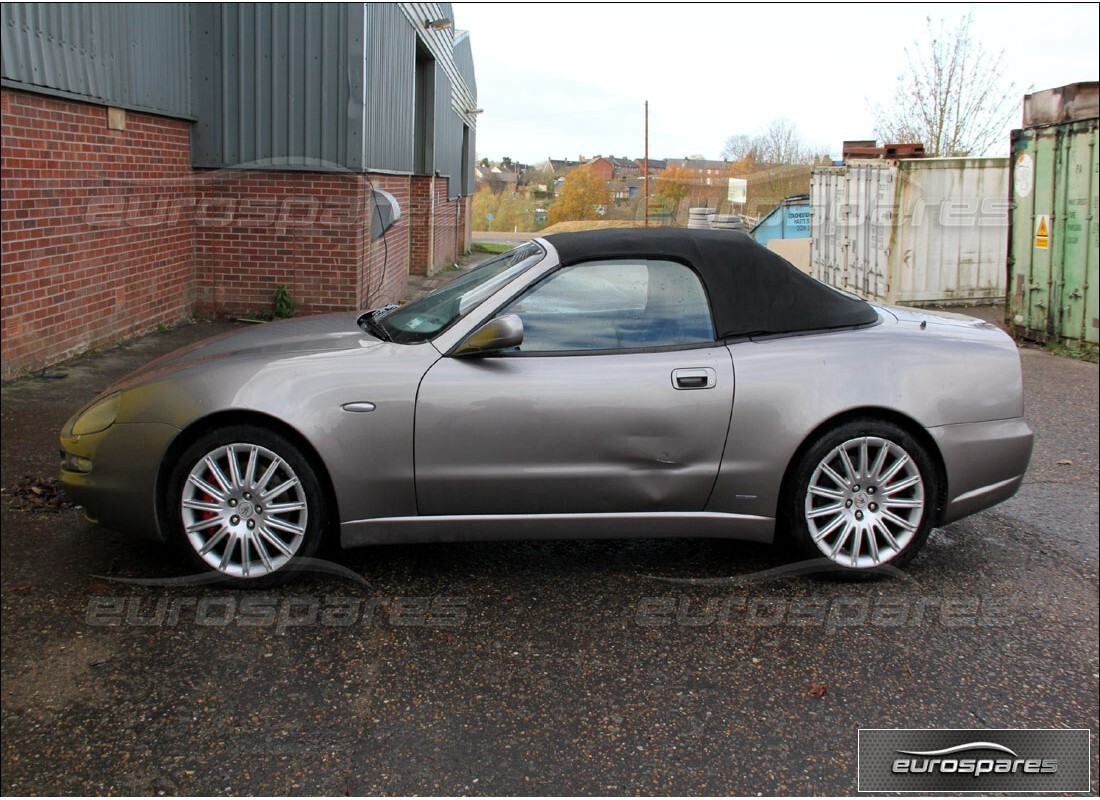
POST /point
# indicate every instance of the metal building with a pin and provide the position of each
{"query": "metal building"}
(1054, 284)
(357, 86)
(163, 159)
(129, 56)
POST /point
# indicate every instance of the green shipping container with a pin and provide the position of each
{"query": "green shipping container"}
(1052, 239)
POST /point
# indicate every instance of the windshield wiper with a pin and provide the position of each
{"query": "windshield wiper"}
(376, 329)
(370, 321)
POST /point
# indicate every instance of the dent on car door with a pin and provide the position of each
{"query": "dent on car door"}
(618, 400)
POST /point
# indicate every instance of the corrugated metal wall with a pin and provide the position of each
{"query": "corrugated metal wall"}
(444, 47)
(393, 31)
(314, 86)
(952, 230)
(448, 135)
(464, 61)
(391, 69)
(129, 55)
(1054, 279)
(272, 84)
(913, 231)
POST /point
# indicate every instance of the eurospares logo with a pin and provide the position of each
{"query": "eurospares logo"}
(949, 762)
(943, 760)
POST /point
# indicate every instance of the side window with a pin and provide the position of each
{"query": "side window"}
(614, 305)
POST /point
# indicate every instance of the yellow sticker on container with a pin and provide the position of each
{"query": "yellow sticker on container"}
(1042, 233)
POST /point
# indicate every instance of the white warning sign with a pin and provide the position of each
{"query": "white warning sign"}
(1025, 175)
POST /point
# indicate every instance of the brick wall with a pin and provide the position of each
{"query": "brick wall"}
(388, 265)
(464, 225)
(602, 168)
(421, 208)
(445, 226)
(109, 233)
(437, 238)
(95, 227)
(256, 229)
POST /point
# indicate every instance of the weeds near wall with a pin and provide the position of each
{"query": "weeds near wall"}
(283, 304)
(282, 307)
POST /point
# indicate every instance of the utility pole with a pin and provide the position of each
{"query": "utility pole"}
(645, 166)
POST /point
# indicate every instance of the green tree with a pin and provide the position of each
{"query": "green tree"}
(580, 194)
(540, 183)
(511, 212)
(673, 185)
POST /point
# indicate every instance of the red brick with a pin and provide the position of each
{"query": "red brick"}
(108, 234)
(58, 307)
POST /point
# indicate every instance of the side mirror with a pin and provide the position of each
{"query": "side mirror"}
(495, 335)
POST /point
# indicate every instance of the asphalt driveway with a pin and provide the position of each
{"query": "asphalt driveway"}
(669, 667)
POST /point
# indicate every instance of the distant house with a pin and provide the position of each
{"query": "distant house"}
(559, 166)
(655, 165)
(611, 168)
(708, 172)
(625, 167)
(497, 175)
(501, 175)
(508, 165)
(602, 168)
(627, 189)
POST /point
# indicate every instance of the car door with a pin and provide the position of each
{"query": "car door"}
(618, 400)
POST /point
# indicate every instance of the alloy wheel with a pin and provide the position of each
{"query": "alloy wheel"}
(865, 502)
(244, 510)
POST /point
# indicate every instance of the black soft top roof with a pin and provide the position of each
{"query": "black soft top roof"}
(751, 289)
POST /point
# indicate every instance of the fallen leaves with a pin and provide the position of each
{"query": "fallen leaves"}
(38, 495)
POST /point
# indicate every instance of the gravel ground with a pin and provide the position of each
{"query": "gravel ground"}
(530, 668)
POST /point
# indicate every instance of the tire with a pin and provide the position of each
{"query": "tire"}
(243, 503)
(863, 496)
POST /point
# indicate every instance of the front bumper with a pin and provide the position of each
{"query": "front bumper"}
(985, 463)
(119, 491)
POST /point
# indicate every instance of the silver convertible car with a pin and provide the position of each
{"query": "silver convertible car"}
(619, 383)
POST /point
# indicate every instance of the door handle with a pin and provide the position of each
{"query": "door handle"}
(701, 378)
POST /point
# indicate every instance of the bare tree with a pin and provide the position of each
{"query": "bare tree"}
(952, 99)
(739, 147)
(779, 144)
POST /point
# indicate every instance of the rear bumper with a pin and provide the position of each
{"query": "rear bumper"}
(985, 463)
(119, 491)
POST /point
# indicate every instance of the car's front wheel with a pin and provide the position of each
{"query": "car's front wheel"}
(244, 503)
(864, 495)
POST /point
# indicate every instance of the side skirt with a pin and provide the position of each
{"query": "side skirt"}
(517, 527)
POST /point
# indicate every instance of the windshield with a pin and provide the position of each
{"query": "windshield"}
(436, 311)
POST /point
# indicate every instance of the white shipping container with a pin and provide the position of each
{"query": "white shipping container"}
(922, 231)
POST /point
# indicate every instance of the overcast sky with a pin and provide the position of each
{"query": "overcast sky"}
(566, 80)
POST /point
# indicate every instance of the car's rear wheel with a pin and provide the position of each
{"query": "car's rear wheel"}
(244, 504)
(864, 496)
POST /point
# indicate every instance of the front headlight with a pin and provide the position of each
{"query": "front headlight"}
(99, 417)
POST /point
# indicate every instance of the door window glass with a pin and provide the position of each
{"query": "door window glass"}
(614, 305)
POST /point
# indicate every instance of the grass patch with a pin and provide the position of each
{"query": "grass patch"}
(572, 226)
(1077, 350)
(491, 247)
